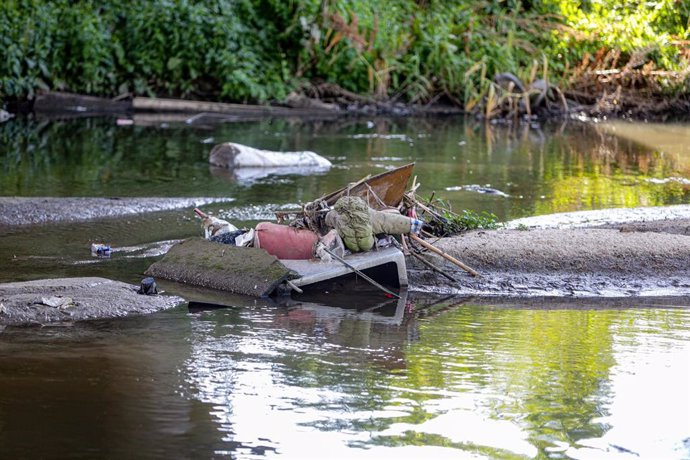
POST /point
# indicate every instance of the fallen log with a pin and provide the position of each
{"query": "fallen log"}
(77, 104)
(147, 104)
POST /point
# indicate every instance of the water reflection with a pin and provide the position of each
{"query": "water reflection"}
(419, 378)
(100, 389)
(539, 170)
(472, 379)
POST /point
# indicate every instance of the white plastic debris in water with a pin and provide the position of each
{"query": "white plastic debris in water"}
(232, 155)
(477, 189)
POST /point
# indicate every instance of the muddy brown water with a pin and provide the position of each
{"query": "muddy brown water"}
(353, 376)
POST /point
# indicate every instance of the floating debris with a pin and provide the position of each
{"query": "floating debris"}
(214, 226)
(101, 250)
(398, 137)
(478, 189)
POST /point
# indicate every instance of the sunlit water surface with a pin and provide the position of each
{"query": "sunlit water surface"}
(308, 381)
(422, 378)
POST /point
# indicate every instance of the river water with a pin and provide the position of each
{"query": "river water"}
(354, 376)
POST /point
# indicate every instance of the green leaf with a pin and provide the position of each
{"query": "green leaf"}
(174, 63)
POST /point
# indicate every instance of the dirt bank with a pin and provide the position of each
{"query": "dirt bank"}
(328, 101)
(658, 218)
(567, 262)
(74, 299)
(44, 210)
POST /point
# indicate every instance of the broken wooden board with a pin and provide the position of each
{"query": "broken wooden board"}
(203, 263)
(380, 191)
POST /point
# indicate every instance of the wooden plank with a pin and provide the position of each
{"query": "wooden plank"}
(388, 186)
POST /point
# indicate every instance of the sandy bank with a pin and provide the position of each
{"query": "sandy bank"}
(612, 262)
(44, 210)
(74, 299)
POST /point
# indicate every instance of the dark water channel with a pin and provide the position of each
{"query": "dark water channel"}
(354, 376)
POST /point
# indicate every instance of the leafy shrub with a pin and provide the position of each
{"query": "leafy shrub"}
(259, 50)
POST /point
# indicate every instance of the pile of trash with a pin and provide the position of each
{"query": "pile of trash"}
(350, 226)
(369, 223)
(374, 213)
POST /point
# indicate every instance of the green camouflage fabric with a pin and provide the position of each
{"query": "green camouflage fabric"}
(352, 221)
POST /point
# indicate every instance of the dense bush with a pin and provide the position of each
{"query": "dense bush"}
(259, 50)
(220, 48)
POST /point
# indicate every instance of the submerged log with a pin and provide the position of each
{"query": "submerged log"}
(58, 102)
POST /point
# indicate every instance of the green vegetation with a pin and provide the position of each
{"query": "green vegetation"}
(470, 220)
(442, 221)
(412, 51)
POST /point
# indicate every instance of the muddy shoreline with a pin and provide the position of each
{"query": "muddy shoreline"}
(60, 105)
(625, 253)
(16, 211)
(610, 253)
(66, 300)
(579, 262)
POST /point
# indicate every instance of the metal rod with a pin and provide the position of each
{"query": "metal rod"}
(294, 287)
(358, 272)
